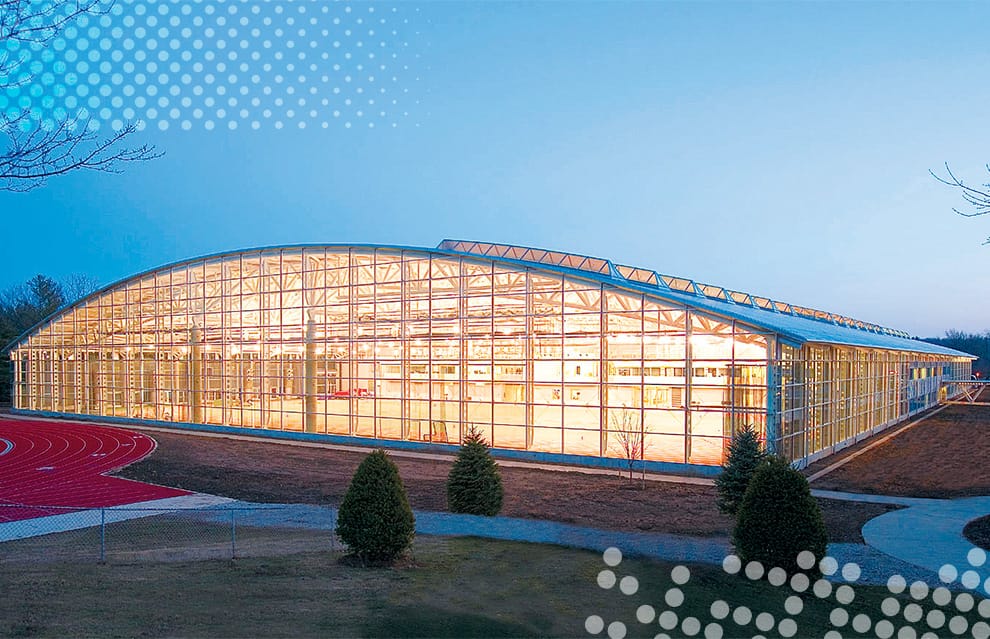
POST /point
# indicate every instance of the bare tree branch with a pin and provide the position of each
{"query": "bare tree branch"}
(978, 198)
(31, 151)
(33, 156)
(628, 438)
(33, 21)
(77, 286)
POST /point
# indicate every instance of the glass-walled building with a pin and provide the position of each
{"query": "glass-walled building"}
(564, 356)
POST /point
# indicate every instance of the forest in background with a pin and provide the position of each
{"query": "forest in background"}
(973, 343)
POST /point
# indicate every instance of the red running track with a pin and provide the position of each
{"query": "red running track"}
(49, 463)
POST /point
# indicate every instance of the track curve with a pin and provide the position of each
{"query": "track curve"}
(65, 464)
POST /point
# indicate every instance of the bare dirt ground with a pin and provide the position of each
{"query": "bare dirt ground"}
(275, 472)
(945, 456)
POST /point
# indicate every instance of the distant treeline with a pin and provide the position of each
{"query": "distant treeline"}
(24, 305)
(973, 343)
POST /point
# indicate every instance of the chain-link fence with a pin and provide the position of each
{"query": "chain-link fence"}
(127, 534)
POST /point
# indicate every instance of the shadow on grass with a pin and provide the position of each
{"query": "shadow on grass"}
(424, 621)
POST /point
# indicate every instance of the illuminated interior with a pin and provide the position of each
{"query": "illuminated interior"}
(544, 352)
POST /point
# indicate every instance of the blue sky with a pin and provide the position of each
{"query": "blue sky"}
(776, 148)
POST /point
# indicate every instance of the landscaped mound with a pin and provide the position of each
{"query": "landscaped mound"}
(745, 455)
(375, 520)
(474, 485)
(778, 519)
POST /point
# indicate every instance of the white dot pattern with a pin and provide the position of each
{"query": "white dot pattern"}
(943, 614)
(220, 64)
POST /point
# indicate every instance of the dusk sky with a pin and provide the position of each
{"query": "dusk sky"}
(776, 148)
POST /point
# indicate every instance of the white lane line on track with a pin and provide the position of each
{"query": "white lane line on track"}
(9, 446)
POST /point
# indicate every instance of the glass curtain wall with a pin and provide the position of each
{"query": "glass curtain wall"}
(832, 395)
(409, 345)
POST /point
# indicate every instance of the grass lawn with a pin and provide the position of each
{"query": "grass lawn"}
(268, 471)
(164, 538)
(450, 587)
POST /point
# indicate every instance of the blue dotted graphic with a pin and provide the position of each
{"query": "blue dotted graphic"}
(219, 64)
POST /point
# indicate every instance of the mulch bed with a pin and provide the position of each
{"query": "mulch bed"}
(276, 472)
(945, 456)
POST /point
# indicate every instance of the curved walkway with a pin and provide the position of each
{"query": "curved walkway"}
(868, 498)
(927, 533)
(876, 567)
(930, 535)
(914, 542)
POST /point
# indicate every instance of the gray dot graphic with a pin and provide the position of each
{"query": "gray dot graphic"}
(935, 619)
(800, 582)
(668, 620)
(965, 602)
(742, 615)
(628, 585)
(616, 630)
(958, 625)
(861, 623)
(970, 579)
(787, 628)
(890, 606)
(913, 613)
(976, 557)
(884, 629)
(719, 609)
(754, 569)
(764, 621)
(594, 624)
(606, 578)
(941, 596)
(844, 595)
(777, 576)
(691, 626)
(805, 560)
(838, 617)
(646, 614)
(896, 584)
(828, 565)
(822, 588)
(793, 605)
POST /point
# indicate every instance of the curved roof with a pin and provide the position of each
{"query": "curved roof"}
(796, 324)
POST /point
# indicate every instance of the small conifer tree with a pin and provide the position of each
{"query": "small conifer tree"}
(778, 519)
(745, 455)
(375, 520)
(474, 485)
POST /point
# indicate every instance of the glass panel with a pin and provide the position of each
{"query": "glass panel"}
(364, 343)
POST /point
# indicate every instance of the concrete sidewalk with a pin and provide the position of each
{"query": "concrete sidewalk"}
(914, 542)
(876, 567)
(79, 519)
(930, 535)
(927, 533)
(873, 499)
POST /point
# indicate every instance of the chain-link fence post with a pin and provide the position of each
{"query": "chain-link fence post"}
(233, 535)
(333, 531)
(103, 534)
